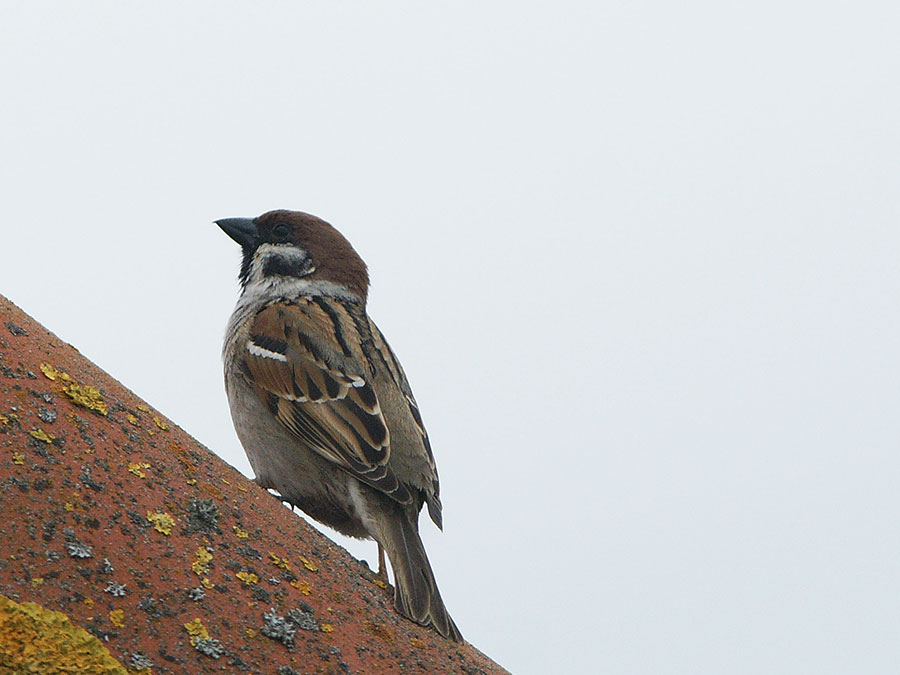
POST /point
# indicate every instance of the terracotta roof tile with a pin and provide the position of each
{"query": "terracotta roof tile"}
(171, 559)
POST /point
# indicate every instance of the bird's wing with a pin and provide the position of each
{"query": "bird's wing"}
(301, 365)
(432, 495)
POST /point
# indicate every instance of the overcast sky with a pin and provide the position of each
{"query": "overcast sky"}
(639, 260)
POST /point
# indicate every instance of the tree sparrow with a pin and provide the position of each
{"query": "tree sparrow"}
(321, 404)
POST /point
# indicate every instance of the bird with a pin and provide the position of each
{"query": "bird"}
(321, 404)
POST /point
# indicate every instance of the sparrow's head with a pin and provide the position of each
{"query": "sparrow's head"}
(284, 246)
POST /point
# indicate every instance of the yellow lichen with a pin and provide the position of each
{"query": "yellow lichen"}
(18, 458)
(4, 420)
(419, 644)
(380, 583)
(247, 577)
(37, 581)
(158, 422)
(196, 630)
(250, 634)
(162, 522)
(131, 419)
(240, 487)
(308, 564)
(142, 407)
(192, 481)
(279, 562)
(239, 533)
(74, 502)
(206, 583)
(202, 558)
(38, 640)
(135, 468)
(87, 396)
(51, 372)
(81, 394)
(41, 435)
(117, 618)
(327, 628)
(89, 602)
(302, 586)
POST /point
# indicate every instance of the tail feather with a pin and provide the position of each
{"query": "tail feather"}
(416, 594)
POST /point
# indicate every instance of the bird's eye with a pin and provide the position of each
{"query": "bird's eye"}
(281, 231)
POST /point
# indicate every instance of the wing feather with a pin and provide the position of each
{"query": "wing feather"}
(322, 396)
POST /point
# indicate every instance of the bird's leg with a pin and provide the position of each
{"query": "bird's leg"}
(382, 568)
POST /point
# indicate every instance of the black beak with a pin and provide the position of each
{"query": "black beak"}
(242, 230)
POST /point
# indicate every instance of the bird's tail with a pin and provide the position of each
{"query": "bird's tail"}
(416, 594)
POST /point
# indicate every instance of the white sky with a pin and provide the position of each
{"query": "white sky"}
(639, 260)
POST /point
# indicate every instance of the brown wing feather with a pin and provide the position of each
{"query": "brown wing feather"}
(322, 396)
(432, 497)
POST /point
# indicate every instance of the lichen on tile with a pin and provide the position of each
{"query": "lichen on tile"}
(201, 640)
(248, 578)
(136, 468)
(202, 559)
(41, 435)
(280, 562)
(38, 640)
(83, 395)
(302, 586)
(162, 522)
(117, 618)
(309, 564)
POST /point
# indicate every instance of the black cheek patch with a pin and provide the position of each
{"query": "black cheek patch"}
(285, 266)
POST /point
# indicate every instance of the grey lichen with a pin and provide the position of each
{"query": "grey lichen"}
(197, 594)
(117, 590)
(302, 619)
(139, 661)
(75, 548)
(203, 516)
(278, 628)
(15, 330)
(47, 415)
(283, 628)
(79, 550)
(88, 481)
(209, 647)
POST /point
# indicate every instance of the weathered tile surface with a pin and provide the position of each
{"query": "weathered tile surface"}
(118, 519)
